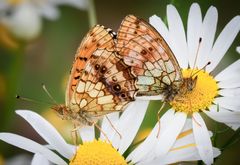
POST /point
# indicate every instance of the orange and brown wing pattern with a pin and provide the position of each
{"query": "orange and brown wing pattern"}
(106, 85)
(97, 37)
(151, 59)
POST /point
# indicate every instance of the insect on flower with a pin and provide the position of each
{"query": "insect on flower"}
(99, 83)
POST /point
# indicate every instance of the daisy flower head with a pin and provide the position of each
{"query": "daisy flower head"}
(23, 18)
(215, 95)
(96, 152)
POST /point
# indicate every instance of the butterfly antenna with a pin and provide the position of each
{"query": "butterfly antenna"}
(196, 57)
(49, 95)
(203, 68)
(31, 100)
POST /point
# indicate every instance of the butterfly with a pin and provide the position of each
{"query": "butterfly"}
(100, 82)
(151, 59)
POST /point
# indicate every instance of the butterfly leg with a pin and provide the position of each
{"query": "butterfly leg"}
(158, 116)
(100, 129)
(113, 127)
(74, 134)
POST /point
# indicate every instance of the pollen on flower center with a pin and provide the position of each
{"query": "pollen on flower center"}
(97, 152)
(200, 97)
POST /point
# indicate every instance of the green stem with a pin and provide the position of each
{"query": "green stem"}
(92, 13)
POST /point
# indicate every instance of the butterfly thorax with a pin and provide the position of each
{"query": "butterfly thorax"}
(78, 117)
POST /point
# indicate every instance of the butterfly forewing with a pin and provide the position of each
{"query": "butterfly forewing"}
(100, 81)
(97, 37)
(152, 61)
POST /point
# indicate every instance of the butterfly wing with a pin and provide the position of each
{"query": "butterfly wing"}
(97, 37)
(152, 61)
(106, 85)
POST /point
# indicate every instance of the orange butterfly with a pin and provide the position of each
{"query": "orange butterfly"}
(151, 59)
(100, 82)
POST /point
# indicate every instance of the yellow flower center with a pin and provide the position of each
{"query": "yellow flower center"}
(200, 97)
(97, 152)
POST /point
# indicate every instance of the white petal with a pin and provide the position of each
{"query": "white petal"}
(208, 33)
(202, 139)
(224, 116)
(129, 124)
(87, 133)
(168, 136)
(143, 150)
(159, 97)
(229, 71)
(39, 159)
(81, 4)
(31, 146)
(159, 25)
(49, 11)
(47, 132)
(193, 31)
(231, 103)
(238, 49)
(107, 126)
(232, 82)
(230, 92)
(177, 36)
(223, 42)
(145, 147)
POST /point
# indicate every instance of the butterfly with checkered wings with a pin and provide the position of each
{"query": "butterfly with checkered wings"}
(100, 82)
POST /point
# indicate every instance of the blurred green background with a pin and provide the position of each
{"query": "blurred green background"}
(48, 59)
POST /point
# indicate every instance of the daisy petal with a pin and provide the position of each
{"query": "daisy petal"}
(145, 148)
(31, 146)
(202, 139)
(47, 132)
(193, 31)
(134, 117)
(87, 133)
(224, 116)
(49, 11)
(231, 103)
(208, 32)
(223, 42)
(177, 36)
(233, 82)
(38, 159)
(159, 25)
(230, 92)
(168, 136)
(227, 73)
(107, 127)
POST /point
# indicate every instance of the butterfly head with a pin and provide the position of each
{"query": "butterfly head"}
(62, 111)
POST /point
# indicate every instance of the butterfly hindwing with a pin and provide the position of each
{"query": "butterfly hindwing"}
(152, 61)
(106, 84)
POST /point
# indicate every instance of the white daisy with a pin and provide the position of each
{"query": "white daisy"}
(215, 95)
(99, 151)
(23, 18)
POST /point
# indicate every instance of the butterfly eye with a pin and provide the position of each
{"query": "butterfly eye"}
(103, 69)
(97, 66)
(116, 87)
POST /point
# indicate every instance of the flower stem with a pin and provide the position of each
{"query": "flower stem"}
(92, 13)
